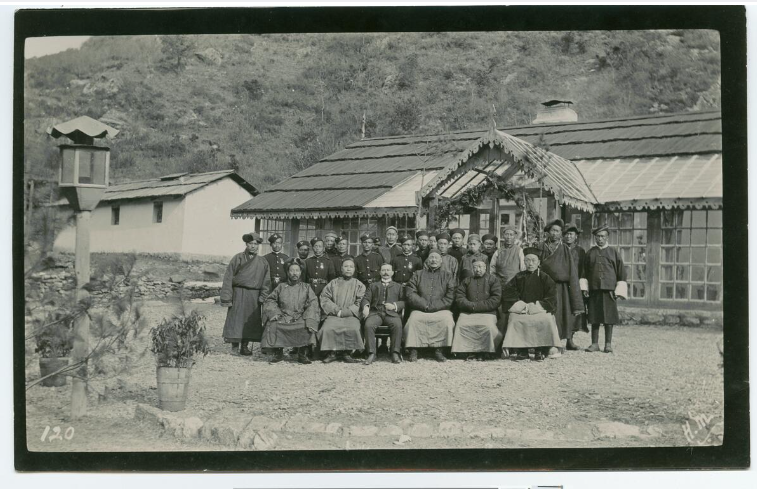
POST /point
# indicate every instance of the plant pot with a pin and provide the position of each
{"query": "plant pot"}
(173, 387)
(50, 365)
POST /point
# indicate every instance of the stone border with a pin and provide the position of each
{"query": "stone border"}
(234, 429)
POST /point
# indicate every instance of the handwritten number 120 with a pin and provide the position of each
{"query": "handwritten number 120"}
(55, 435)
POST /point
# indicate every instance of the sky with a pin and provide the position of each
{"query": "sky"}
(42, 46)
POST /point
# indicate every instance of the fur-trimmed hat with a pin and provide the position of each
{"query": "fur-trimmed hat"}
(249, 237)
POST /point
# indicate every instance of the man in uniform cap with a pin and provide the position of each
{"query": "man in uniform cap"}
(276, 260)
(303, 251)
(392, 248)
(557, 262)
(570, 236)
(605, 281)
(490, 245)
(368, 263)
(341, 243)
(319, 269)
(457, 249)
(448, 262)
(246, 284)
(423, 248)
(406, 263)
(530, 300)
(329, 240)
(472, 254)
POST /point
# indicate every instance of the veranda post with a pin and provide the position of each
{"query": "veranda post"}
(82, 178)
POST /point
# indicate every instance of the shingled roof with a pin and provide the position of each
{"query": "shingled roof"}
(352, 180)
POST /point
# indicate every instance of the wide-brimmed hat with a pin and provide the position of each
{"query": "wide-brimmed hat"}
(554, 222)
(250, 237)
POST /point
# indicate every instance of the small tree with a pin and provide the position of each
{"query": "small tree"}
(175, 51)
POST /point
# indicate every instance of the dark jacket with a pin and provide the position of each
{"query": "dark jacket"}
(377, 294)
(430, 290)
(405, 266)
(477, 295)
(276, 265)
(319, 272)
(367, 267)
(604, 268)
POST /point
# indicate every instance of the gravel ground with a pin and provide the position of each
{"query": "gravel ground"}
(657, 376)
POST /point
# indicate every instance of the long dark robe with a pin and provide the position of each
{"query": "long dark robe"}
(604, 268)
(578, 323)
(246, 285)
(276, 266)
(561, 268)
(298, 312)
(531, 330)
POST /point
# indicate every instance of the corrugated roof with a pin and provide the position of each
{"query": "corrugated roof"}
(376, 160)
(181, 185)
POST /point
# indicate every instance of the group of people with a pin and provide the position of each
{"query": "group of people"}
(423, 292)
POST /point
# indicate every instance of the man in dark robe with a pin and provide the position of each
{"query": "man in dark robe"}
(570, 236)
(605, 281)
(341, 245)
(472, 254)
(382, 305)
(423, 248)
(529, 297)
(448, 262)
(319, 269)
(392, 248)
(246, 284)
(368, 263)
(291, 314)
(457, 250)
(303, 251)
(430, 294)
(490, 245)
(406, 263)
(557, 262)
(477, 298)
(276, 260)
(329, 241)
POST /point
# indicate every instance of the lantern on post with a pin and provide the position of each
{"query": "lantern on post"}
(82, 177)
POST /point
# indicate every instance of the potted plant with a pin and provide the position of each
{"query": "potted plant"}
(54, 338)
(175, 342)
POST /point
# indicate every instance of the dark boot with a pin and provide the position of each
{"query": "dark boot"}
(413, 355)
(302, 355)
(245, 349)
(594, 338)
(395, 357)
(370, 359)
(570, 345)
(439, 356)
(608, 338)
(330, 357)
(235, 349)
(278, 355)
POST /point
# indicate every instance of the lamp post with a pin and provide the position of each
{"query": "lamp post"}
(82, 179)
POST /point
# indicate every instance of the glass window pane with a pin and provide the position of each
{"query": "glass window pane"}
(668, 219)
(682, 273)
(640, 220)
(668, 236)
(668, 255)
(625, 254)
(639, 255)
(465, 221)
(682, 255)
(683, 219)
(98, 169)
(683, 237)
(612, 220)
(626, 237)
(698, 236)
(713, 293)
(638, 290)
(613, 239)
(699, 219)
(67, 171)
(697, 255)
(714, 219)
(697, 292)
(714, 236)
(713, 255)
(639, 273)
(86, 166)
(666, 292)
(682, 291)
(666, 273)
(640, 237)
(697, 274)
(714, 275)
(626, 220)
(627, 268)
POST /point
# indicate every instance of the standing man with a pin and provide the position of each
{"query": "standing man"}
(458, 250)
(329, 242)
(341, 244)
(448, 262)
(391, 248)
(605, 281)
(407, 263)
(246, 286)
(430, 295)
(319, 269)
(303, 251)
(383, 304)
(276, 260)
(579, 256)
(557, 262)
(490, 245)
(423, 248)
(472, 254)
(368, 263)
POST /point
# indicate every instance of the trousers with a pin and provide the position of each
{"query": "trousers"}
(376, 320)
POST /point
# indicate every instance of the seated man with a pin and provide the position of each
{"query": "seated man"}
(340, 301)
(477, 298)
(430, 294)
(530, 299)
(291, 315)
(382, 306)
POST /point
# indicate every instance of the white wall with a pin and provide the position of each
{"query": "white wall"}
(136, 230)
(209, 229)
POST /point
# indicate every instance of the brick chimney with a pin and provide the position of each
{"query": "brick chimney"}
(555, 111)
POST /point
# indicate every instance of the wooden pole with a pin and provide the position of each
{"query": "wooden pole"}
(81, 326)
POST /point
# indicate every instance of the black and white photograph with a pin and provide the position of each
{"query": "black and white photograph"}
(300, 241)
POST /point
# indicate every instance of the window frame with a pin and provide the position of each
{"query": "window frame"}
(115, 215)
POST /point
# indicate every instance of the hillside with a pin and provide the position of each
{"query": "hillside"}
(272, 105)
